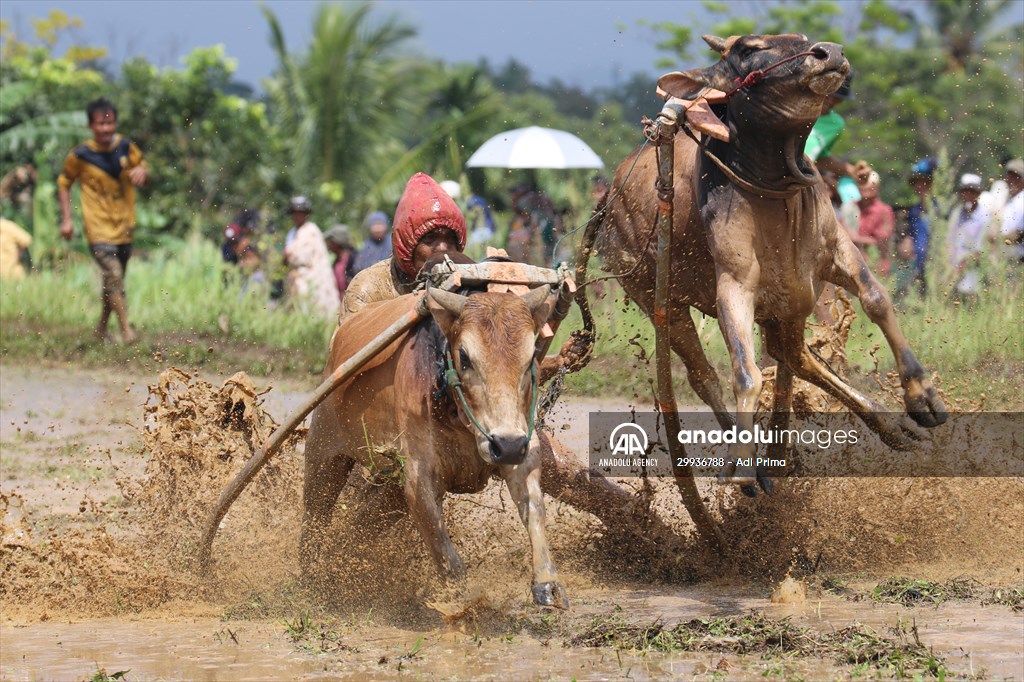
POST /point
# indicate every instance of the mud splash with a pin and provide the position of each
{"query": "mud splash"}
(132, 559)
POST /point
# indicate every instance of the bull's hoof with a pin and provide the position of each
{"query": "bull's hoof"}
(928, 410)
(743, 476)
(900, 433)
(763, 482)
(550, 594)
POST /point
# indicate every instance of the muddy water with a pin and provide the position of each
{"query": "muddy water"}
(974, 640)
(65, 434)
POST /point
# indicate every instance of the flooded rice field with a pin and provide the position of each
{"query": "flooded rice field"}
(106, 480)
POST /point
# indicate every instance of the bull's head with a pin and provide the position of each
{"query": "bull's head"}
(492, 337)
(789, 98)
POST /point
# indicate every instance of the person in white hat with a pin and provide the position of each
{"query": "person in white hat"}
(1012, 229)
(966, 240)
(310, 276)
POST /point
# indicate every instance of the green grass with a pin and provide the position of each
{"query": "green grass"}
(188, 315)
(902, 655)
(977, 353)
(187, 306)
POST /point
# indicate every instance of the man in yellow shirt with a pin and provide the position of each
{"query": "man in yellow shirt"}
(109, 167)
(13, 240)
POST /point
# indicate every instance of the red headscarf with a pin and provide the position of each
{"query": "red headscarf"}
(424, 207)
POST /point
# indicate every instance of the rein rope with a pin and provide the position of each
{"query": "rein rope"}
(755, 76)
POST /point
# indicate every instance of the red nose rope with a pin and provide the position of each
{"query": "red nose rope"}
(756, 75)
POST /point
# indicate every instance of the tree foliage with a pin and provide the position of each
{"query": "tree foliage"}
(939, 77)
(354, 112)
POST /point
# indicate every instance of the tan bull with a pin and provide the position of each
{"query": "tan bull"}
(755, 238)
(406, 398)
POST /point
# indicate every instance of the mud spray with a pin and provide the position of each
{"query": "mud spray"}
(197, 436)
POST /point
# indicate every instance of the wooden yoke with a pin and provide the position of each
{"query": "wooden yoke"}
(662, 132)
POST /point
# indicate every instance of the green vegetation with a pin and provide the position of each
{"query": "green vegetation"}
(910, 592)
(755, 633)
(937, 80)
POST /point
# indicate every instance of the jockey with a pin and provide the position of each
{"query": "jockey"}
(427, 223)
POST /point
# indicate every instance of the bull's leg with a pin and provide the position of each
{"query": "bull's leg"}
(900, 434)
(567, 480)
(849, 271)
(325, 474)
(523, 481)
(736, 319)
(424, 500)
(703, 379)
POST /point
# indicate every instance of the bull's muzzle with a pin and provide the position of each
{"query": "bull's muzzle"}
(830, 57)
(508, 450)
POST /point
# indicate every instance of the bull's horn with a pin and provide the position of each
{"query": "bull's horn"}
(717, 44)
(534, 298)
(453, 303)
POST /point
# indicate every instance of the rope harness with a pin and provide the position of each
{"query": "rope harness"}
(454, 383)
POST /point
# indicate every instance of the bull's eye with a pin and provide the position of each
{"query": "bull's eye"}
(464, 362)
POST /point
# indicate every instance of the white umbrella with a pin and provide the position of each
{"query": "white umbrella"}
(535, 147)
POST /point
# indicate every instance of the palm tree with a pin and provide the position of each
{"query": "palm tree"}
(459, 105)
(341, 101)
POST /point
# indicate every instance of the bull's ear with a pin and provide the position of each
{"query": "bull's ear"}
(686, 84)
(539, 301)
(445, 307)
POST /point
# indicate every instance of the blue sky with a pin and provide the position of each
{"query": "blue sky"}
(583, 43)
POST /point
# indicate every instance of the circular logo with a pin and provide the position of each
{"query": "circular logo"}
(628, 439)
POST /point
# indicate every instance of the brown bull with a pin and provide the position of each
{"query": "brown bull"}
(755, 238)
(449, 445)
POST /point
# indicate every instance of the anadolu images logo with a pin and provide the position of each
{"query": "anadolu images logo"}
(628, 439)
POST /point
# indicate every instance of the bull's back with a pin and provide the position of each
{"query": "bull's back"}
(628, 239)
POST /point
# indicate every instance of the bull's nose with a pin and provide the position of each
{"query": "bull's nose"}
(827, 51)
(508, 450)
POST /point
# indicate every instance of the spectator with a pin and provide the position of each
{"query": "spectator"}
(539, 219)
(920, 221)
(967, 225)
(877, 222)
(237, 235)
(13, 242)
(339, 243)
(250, 262)
(310, 279)
(110, 167)
(1012, 228)
(377, 247)
(827, 129)
(479, 220)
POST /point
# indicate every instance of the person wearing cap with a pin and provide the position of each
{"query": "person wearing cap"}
(967, 225)
(920, 220)
(827, 129)
(427, 222)
(1012, 228)
(877, 221)
(339, 243)
(310, 278)
(377, 246)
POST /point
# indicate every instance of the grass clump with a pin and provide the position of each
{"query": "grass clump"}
(902, 655)
(315, 637)
(909, 592)
(1012, 597)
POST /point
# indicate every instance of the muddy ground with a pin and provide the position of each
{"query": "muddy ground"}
(102, 499)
